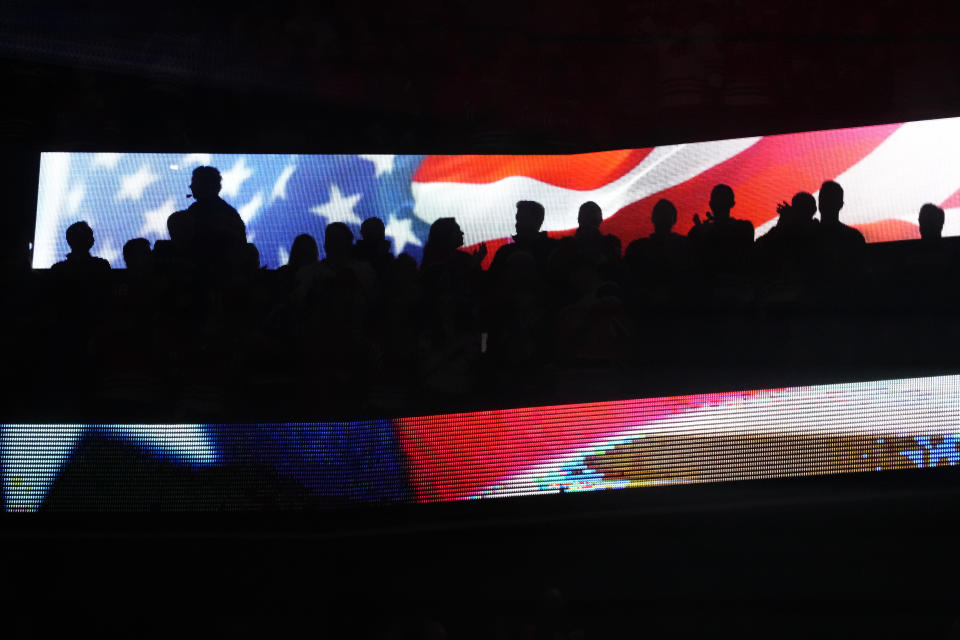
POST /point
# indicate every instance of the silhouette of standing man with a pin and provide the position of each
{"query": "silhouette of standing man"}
(722, 243)
(217, 230)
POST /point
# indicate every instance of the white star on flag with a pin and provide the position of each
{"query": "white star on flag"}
(382, 163)
(108, 251)
(250, 209)
(196, 159)
(155, 220)
(280, 186)
(232, 180)
(338, 208)
(107, 160)
(133, 185)
(34, 453)
(401, 230)
(75, 197)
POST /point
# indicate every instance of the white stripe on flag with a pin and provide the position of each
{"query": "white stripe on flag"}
(486, 211)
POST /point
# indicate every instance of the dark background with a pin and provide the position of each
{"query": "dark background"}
(855, 555)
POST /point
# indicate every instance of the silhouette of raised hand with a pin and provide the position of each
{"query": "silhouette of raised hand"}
(480, 252)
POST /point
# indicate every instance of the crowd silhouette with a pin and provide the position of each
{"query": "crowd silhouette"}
(195, 327)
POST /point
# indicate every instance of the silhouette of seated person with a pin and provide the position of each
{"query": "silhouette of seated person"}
(529, 238)
(79, 264)
(662, 256)
(722, 244)
(211, 230)
(373, 247)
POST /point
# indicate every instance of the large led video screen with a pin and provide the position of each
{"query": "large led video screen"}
(742, 435)
(888, 172)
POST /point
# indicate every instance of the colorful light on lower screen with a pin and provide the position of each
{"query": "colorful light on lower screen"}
(740, 435)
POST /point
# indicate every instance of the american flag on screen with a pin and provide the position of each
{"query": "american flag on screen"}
(887, 171)
(739, 435)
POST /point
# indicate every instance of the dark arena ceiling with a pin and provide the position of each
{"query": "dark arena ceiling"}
(440, 76)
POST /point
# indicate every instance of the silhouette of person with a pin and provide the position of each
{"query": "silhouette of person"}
(796, 221)
(338, 247)
(303, 252)
(443, 245)
(931, 221)
(833, 232)
(789, 247)
(214, 230)
(373, 246)
(137, 256)
(929, 265)
(588, 235)
(663, 254)
(79, 262)
(722, 243)
(529, 238)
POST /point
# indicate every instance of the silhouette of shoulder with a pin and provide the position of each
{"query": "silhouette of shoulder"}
(217, 217)
(730, 229)
(841, 233)
(540, 247)
(81, 265)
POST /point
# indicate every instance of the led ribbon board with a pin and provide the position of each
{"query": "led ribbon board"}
(789, 432)
(888, 172)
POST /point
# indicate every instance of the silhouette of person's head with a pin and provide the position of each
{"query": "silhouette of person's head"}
(803, 206)
(303, 251)
(80, 238)
(590, 216)
(931, 221)
(721, 201)
(337, 241)
(180, 227)
(136, 255)
(530, 216)
(372, 230)
(830, 201)
(445, 235)
(206, 183)
(664, 216)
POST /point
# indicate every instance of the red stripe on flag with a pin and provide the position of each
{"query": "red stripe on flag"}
(582, 171)
(768, 172)
(952, 202)
(889, 231)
